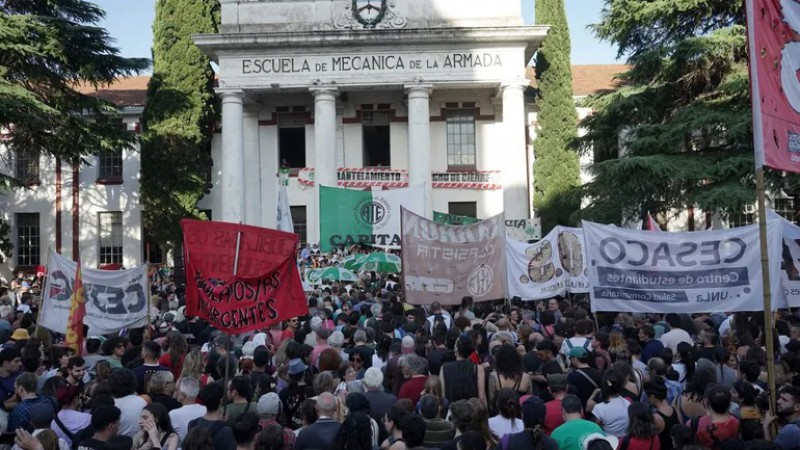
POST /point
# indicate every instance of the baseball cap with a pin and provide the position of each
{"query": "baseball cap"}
(586, 440)
(578, 352)
(269, 403)
(533, 411)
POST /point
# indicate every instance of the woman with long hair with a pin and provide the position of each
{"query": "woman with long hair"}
(684, 362)
(600, 344)
(193, 368)
(642, 433)
(507, 420)
(612, 413)
(359, 431)
(176, 347)
(664, 415)
(690, 404)
(509, 373)
(155, 430)
(616, 343)
(482, 422)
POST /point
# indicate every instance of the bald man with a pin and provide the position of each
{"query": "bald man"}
(322, 433)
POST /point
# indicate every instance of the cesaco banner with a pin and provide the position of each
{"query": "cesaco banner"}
(790, 260)
(551, 267)
(115, 299)
(349, 217)
(691, 272)
(241, 278)
(445, 263)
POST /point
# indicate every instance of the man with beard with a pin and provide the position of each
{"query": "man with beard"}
(788, 407)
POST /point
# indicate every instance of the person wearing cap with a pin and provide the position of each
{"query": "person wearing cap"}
(585, 379)
(150, 353)
(557, 385)
(269, 408)
(575, 428)
(186, 392)
(534, 412)
(293, 396)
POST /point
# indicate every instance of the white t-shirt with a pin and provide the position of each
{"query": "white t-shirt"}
(577, 341)
(674, 337)
(131, 407)
(182, 416)
(613, 416)
(501, 426)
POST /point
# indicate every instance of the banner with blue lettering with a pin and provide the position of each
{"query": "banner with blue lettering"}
(115, 299)
(690, 272)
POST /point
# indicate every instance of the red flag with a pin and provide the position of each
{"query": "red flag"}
(774, 47)
(652, 225)
(239, 277)
(77, 311)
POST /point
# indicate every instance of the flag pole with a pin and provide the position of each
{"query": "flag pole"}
(762, 231)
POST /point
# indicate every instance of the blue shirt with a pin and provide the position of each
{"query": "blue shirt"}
(789, 436)
(21, 415)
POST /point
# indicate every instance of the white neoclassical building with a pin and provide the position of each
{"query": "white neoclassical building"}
(372, 94)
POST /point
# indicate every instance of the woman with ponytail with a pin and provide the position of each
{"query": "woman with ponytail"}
(507, 420)
(532, 437)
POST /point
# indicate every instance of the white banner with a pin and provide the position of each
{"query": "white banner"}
(790, 261)
(691, 272)
(115, 299)
(553, 266)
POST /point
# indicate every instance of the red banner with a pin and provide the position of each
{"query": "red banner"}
(774, 39)
(241, 278)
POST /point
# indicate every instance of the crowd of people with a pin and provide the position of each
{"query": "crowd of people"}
(365, 371)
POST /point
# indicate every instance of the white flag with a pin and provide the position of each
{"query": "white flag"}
(284, 212)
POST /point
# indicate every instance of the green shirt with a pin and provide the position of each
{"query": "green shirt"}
(234, 410)
(570, 434)
(114, 363)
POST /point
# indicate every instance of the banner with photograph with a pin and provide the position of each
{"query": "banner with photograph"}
(551, 267)
(445, 263)
(241, 278)
(690, 272)
(789, 294)
(115, 299)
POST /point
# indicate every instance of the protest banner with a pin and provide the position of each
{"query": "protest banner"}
(789, 294)
(239, 277)
(691, 272)
(554, 266)
(114, 299)
(445, 263)
(453, 219)
(349, 217)
(524, 230)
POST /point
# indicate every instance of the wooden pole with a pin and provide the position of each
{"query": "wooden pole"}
(762, 228)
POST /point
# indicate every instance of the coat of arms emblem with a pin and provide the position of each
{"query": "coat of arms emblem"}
(370, 14)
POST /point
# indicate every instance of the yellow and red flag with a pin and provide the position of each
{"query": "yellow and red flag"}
(77, 311)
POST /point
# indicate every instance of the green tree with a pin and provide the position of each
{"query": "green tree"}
(556, 167)
(678, 132)
(179, 118)
(48, 47)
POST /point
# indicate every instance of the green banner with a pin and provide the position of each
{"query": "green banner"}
(453, 219)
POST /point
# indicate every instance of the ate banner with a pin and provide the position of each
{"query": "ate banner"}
(551, 267)
(690, 272)
(239, 277)
(115, 299)
(773, 30)
(445, 263)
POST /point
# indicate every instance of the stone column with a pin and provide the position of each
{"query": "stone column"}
(419, 141)
(324, 145)
(252, 169)
(516, 203)
(233, 199)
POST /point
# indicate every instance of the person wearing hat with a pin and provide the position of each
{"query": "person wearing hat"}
(269, 408)
(299, 389)
(534, 412)
(585, 379)
(571, 434)
(20, 336)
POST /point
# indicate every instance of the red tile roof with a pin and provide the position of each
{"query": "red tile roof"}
(586, 80)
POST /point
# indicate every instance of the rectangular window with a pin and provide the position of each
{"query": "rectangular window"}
(461, 139)
(28, 239)
(299, 222)
(27, 165)
(741, 220)
(292, 140)
(377, 142)
(110, 234)
(468, 209)
(785, 207)
(110, 165)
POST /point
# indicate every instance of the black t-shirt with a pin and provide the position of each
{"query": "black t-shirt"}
(221, 433)
(82, 435)
(292, 398)
(92, 444)
(707, 353)
(531, 362)
(435, 360)
(582, 383)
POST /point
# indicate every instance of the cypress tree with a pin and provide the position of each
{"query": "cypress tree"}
(556, 167)
(179, 118)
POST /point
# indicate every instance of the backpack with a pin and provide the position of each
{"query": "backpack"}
(586, 344)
